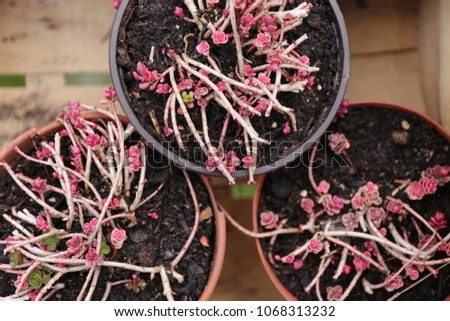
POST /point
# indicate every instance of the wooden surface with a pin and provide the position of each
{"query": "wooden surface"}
(47, 39)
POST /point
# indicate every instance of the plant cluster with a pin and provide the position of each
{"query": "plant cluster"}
(257, 28)
(87, 227)
(369, 233)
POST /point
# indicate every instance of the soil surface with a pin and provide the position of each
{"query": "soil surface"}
(378, 156)
(151, 242)
(152, 23)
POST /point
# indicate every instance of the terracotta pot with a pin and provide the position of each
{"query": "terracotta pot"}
(122, 94)
(25, 143)
(260, 183)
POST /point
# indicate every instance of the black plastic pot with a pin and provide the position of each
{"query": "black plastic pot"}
(340, 82)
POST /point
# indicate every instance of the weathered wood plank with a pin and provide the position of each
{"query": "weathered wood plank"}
(376, 26)
(54, 35)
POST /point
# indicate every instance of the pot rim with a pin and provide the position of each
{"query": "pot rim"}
(260, 183)
(24, 142)
(117, 80)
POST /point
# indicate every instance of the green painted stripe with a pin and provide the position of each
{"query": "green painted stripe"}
(12, 81)
(242, 191)
(86, 79)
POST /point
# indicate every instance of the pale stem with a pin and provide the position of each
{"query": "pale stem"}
(56, 288)
(16, 225)
(274, 92)
(399, 239)
(356, 252)
(93, 284)
(221, 167)
(193, 10)
(109, 286)
(259, 235)
(151, 195)
(86, 284)
(322, 267)
(301, 11)
(253, 7)
(51, 210)
(141, 183)
(310, 169)
(341, 265)
(174, 122)
(33, 240)
(237, 37)
(166, 284)
(196, 222)
(351, 285)
(295, 44)
(167, 111)
(224, 130)
(298, 251)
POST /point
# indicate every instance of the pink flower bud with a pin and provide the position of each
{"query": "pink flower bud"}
(393, 283)
(41, 223)
(153, 215)
(324, 187)
(286, 128)
(247, 161)
(315, 246)
(415, 191)
(263, 78)
(219, 37)
(40, 185)
(203, 48)
(179, 12)
(118, 237)
(75, 243)
(269, 220)
(438, 221)
(338, 143)
(307, 205)
(289, 259)
(298, 264)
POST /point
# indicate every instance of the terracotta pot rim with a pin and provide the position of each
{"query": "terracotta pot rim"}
(23, 141)
(343, 75)
(260, 183)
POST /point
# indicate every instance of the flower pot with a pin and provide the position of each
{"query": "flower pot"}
(287, 144)
(137, 252)
(373, 130)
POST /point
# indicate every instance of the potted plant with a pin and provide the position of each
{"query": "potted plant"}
(364, 217)
(89, 214)
(236, 87)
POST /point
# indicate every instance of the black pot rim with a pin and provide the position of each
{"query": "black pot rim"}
(179, 161)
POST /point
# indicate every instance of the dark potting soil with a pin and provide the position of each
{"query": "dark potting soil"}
(153, 23)
(378, 156)
(151, 242)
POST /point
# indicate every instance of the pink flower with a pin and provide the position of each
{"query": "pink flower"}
(304, 60)
(286, 128)
(357, 203)
(350, 221)
(415, 191)
(393, 283)
(429, 185)
(377, 215)
(269, 220)
(94, 140)
(289, 259)
(310, 82)
(332, 204)
(63, 133)
(412, 272)
(395, 206)
(40, 186)
(88, 228)
(115, 202)
(247, 161)
(338, 143)
(93, 259)
(315, 246)
(334, 293)
(247, 22)
(263, 78)
(343, 108)
(179, 12)
(153, 215)
(41, 223)
(262, 105)
(134, 158)
(347, 269)
(359, 263)
(163, 89)
(248, 71)
(438, 221)
(75, 243)
(262, 40)
(45, 152)
(17, 283)
(168, 131)
(109, 96)
(324, 187)
(118, 237)
(219, 37)
(307, 205)
(221, 85)
(116, 4)
(211, 3)
(210, 164)
(297, 264)
(203, 48)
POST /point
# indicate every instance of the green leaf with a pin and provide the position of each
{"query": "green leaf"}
(15, 259)
(51, 242)
(46, 278)
(35, 279)
(104, 250)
